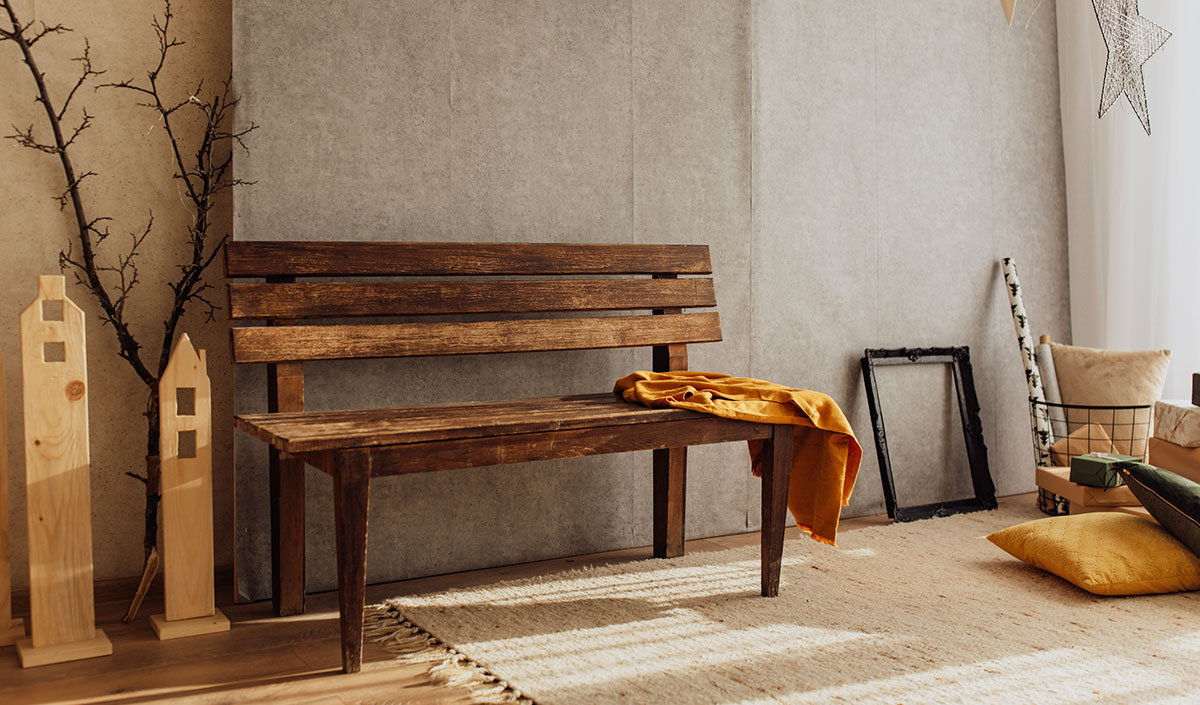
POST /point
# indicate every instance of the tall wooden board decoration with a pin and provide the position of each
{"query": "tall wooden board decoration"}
(58, 484)
(11, 629)
(185, 445)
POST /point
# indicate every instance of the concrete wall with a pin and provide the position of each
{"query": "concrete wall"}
(857, 169)
(130, 155)
(902, 149)
(610, 121)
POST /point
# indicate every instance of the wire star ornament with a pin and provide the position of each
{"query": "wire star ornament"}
(1131, 40)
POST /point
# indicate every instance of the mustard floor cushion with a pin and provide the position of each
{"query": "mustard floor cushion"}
(1106, 553)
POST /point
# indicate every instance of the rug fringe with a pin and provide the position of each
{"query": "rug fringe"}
(407, 642)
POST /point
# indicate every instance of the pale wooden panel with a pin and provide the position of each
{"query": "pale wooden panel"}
(264, 259)
(93, 647)
(167, 629)
(186, 487)
(5, 561)
(10, 630)
(57, 468)
(341, 342)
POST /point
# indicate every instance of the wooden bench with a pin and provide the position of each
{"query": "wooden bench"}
(356, 446)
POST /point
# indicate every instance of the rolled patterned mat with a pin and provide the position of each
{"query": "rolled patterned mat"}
(1042, 437)
(1045, 362)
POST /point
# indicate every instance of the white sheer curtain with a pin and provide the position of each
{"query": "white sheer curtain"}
(1133, 201)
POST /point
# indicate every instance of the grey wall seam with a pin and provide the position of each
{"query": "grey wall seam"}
(878, 229)
(450, 39)
(995, 351)
(750, 117)
(633, 231)
(633, 237)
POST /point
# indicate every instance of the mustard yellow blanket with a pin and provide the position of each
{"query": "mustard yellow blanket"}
(825, 455)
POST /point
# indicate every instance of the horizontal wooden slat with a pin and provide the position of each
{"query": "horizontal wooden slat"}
(525, 447)
(341, 342)
(325, 430)
(247, 258)
(414, 298)
(316, 431)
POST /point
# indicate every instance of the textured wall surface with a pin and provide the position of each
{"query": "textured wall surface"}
(132, 159)
(856, 168)
(900, 150)
(612, 121)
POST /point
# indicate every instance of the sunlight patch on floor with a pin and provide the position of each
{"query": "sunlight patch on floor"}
(572, 656)
(1060, 676)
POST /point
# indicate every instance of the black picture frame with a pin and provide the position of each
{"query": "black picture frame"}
(959, 358)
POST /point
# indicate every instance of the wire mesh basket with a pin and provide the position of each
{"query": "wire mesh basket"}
(1061, 431)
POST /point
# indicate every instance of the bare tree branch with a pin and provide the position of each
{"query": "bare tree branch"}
(55, 29)
(88, 72)
(128, 346)
(73, 187)
(26, 139)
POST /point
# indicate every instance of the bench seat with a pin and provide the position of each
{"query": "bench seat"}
(447, 436)
(306, 431)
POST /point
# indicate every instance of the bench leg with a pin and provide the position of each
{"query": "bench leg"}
(287, 534)
(775, 474)
(351, 491)
(670, 489)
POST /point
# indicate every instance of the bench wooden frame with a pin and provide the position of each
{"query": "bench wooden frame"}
(355, 446)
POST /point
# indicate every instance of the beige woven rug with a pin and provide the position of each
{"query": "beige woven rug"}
(921, 613)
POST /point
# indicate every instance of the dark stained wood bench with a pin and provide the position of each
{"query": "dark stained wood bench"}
(355, 446)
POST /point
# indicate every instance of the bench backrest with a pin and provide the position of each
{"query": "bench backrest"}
(490, 284)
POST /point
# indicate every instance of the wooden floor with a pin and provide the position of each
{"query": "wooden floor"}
(263, 659)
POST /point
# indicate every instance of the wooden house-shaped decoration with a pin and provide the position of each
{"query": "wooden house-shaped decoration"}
(58, 483)
(185, 444)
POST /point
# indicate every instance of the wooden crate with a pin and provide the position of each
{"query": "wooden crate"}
(1082, 499)
(1179, 460)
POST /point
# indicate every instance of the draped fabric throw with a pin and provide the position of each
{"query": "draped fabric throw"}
(825, 453)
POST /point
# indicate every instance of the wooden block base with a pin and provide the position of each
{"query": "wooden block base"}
(14, 633)
(1083, 498)
(180, 628)
(31, 655)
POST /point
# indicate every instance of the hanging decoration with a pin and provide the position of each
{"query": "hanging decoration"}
(1008, 6)
(1131, 40)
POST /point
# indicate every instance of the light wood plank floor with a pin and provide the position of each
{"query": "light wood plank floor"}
(263, 659)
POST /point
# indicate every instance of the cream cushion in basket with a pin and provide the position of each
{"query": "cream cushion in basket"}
(1093, 377)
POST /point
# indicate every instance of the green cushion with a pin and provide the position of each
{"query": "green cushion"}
(1172, 499)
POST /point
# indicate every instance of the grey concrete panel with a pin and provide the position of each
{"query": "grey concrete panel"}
(900, 150)
(815, 214)
(1029, 209)
(252, 517)
(691, 177)
(353, 105)
(540, 97)
(856, 167)
(496, 121)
